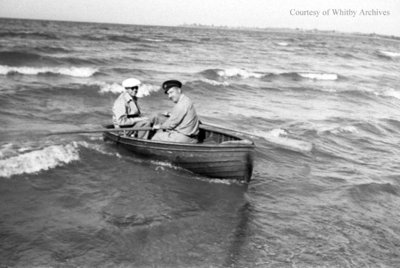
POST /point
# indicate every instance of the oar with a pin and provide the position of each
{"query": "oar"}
(100, 130)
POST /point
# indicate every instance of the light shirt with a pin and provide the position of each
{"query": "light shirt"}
(124, 105)
(183, 118)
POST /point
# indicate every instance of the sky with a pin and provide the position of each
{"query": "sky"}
(365, 16)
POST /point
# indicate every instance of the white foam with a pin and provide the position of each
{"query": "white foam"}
(215, 83)
(390, 92)
(6, 150)
(279, 137)
(340, 129)
(70, 71)
(153, 40)
(38, 160)
(234, 72)
(161, 164)
(109, 88)
(319, 76)
(278, 132)
(283, 44)
(346, 129)
(389, 54)
(144, 90)
(220, 181)
(99, 148)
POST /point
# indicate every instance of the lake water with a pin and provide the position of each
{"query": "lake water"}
(323, 110)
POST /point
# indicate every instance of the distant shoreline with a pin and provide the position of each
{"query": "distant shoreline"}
(196, 25)
(238, 28)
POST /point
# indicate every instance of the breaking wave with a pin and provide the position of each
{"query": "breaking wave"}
(215, 74)
(388, 54)
(218, 74)
(319, 76)
(339, 130)
(69, 71)
(144, 90)
(236, 72)
(282, 44)
(390, 92)
(280, 137)
(16, 161)
(38, 160)
(215, 83)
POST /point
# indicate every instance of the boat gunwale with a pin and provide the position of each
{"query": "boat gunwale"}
(184, 146)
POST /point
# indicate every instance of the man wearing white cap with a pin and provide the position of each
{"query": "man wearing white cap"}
(126, 111)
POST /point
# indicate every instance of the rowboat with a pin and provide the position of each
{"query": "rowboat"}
(220, 153)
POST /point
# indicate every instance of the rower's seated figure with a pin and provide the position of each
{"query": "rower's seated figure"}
(182, 124)
(126, 111)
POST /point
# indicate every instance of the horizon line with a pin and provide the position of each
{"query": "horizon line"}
(225, 27)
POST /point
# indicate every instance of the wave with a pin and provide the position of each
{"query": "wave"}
(215, 83)
(29, 35)
(347, 55)
(22, 58)
(319, 76)
(123, 38)
(282, 44)
(53, 49)
(69, 71)
(372, 190)
(153, 40)
(236, 72)
(388, 54)
(19, 57)
(180, 40)
(296, 76)
(35, 161)
(230, 73)
(339, 130)
(217, 74)
(144, 90)
(17, 161)
(390, 92)
(280, 137)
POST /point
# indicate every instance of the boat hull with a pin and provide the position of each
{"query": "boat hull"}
(218, 155)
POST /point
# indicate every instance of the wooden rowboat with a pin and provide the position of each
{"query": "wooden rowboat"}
(220, 153)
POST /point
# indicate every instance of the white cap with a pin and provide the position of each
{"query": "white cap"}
(131, 82)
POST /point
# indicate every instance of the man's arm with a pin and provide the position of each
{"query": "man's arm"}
(176, 117)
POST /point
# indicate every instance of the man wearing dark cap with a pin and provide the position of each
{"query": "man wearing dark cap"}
(183, 122)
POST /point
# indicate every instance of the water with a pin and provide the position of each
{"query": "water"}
(323, 109)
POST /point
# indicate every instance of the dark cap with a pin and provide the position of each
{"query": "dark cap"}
(171, 83)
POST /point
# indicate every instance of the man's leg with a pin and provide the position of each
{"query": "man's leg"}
(142, 124)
